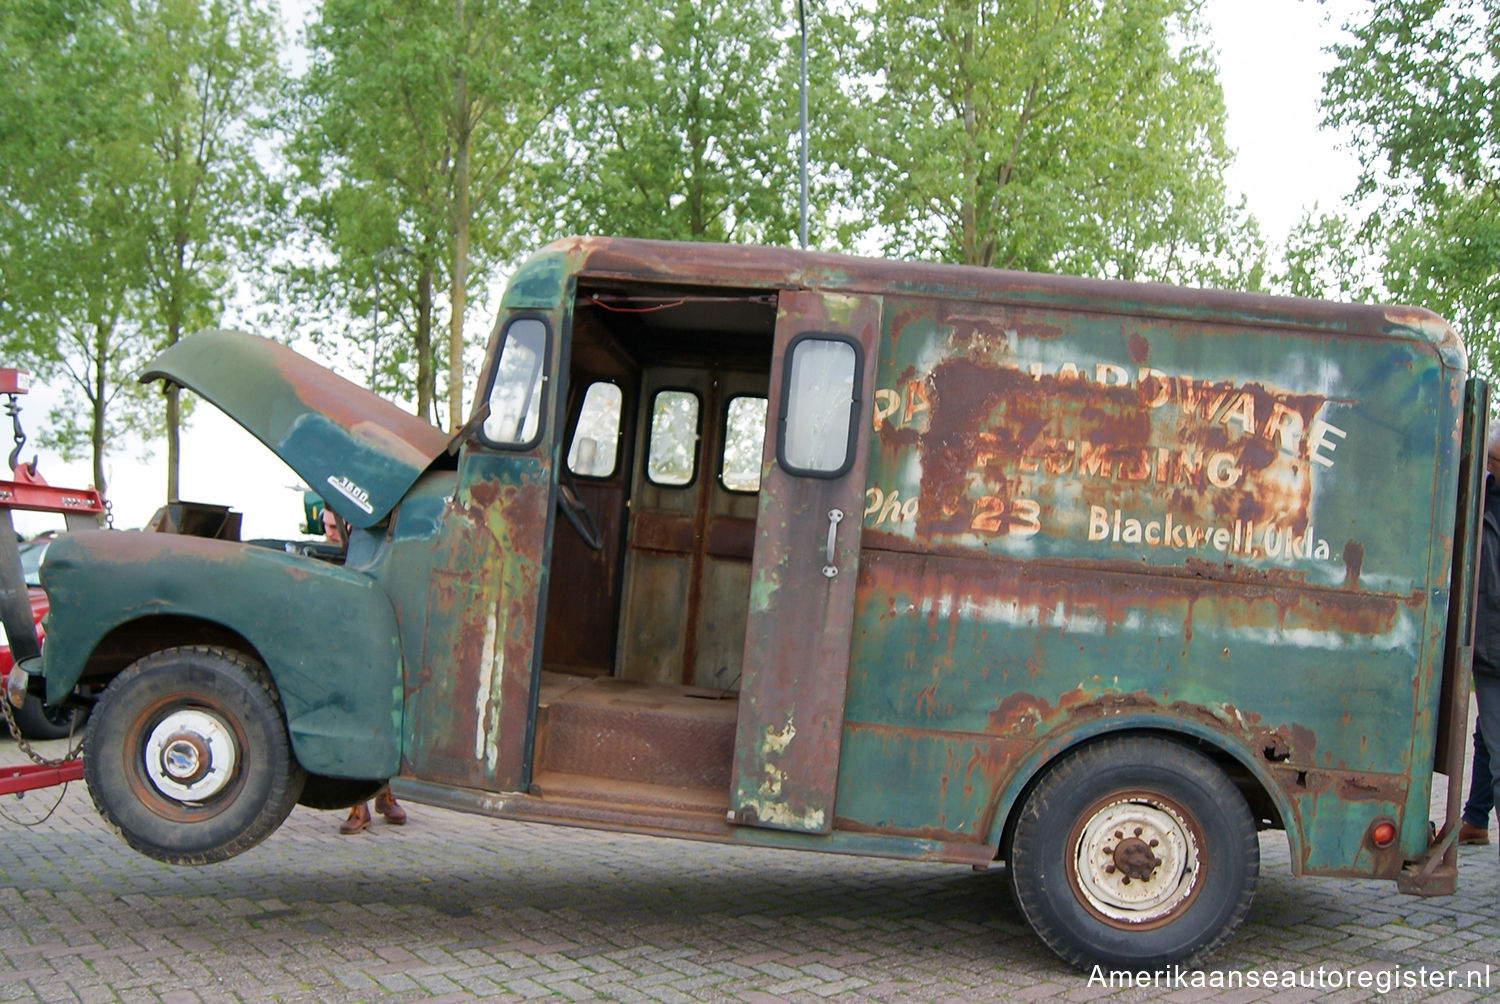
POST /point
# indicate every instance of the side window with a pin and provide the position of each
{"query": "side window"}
(672, 456)
(516, 395)
(596, 440)
(744, 440)
(818, 409)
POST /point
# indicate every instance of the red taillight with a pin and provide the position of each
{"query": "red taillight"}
(1383, 834)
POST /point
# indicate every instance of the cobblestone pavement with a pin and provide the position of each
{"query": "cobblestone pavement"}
(458, 907)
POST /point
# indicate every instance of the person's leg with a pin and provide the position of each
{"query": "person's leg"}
(387, 806)
(1487, 697)
(359, 818)
(1476, 818)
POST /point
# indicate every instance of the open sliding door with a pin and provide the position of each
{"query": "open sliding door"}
(806, 562)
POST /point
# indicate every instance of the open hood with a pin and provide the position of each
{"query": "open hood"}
(356, 449)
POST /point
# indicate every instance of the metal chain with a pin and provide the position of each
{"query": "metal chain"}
(73, 751)
(37, 758)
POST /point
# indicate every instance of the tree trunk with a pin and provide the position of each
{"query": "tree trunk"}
(97, 404)
(174, 442)
(174, 312)
(459, 294)
(426, 377)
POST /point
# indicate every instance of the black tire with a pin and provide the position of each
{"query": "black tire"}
(323, 792)
(187, 756)
(1085, 833)
(37, 721)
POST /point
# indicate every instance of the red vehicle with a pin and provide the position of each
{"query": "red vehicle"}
(27, 490)
(34, 720)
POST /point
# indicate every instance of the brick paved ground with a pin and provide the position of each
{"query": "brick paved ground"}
(456, 907)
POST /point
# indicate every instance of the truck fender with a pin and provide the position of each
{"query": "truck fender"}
(327, 634)
(1059, 743)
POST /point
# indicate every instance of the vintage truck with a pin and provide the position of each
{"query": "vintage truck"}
(1094, 579)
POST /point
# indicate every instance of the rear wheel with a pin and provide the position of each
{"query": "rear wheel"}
(1134, 852)
(187, 755)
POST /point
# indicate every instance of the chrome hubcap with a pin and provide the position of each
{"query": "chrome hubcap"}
(190, 756)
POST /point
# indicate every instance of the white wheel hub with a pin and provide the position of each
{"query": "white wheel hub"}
(191, 755)
(1136, 860)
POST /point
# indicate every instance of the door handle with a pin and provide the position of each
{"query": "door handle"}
(835, 516)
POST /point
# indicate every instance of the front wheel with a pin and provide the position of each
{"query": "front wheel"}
(1134, 852)
(187, 756)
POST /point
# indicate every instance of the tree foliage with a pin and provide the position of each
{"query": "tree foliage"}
(127, 145)
(208, 74)
(1082, 136)
(1415, 87)
(1326, 257)
(410, 123)
(74, 271)
(683, 125)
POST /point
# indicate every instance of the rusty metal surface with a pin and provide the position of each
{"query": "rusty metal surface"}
(1101, 505)
(469, 700)
(1070, 507)
(541, 281)
(1077, 508)
(356, 449)
(328, 634)
(645, 733)
(797, 636)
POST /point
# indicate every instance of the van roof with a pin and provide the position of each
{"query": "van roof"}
(536, 283)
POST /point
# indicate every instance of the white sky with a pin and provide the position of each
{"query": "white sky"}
(1271, 66)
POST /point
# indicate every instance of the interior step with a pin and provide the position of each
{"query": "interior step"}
(604, 792)
(649, 734)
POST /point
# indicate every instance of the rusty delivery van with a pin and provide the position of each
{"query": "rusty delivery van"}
(1092, 579)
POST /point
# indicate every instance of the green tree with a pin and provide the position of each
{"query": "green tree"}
(685, 127)
(130, 182)
(1083, 136)
(72, 263)
(1415, 88)
(208, 72)
(411, 121)
(1327, 258)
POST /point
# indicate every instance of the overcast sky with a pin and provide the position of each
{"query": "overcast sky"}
(1271, 62)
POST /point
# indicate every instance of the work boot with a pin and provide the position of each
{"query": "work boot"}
(387, 806)
(1479, 835)
(359, 818)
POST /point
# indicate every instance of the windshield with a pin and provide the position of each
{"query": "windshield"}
(31, 560)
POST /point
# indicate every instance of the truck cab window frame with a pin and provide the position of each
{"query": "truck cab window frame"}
(820, 386)
(668, 434)
(741, 457)
(518, 385)
(602, 399)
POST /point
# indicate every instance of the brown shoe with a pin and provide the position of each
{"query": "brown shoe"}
(359, 818)
(1479, 835)
(387, 806)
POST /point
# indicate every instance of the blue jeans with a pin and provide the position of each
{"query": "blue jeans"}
(1481, 785)
(1484, 788)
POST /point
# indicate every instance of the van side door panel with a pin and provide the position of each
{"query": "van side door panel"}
(806, 562)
